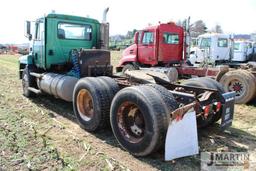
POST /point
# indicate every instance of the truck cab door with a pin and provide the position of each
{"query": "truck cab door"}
(38, 45)
(203, 50)
(221, 52)
(147, 48)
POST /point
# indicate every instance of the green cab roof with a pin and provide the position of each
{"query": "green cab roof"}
(71, 17)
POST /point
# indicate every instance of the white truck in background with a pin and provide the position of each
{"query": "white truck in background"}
(237, 56)
(214, 48)
(243, 50)
(211, 48)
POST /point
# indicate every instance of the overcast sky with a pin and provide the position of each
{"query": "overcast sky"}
(235, 16)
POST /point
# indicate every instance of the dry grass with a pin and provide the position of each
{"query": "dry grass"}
(42, 134)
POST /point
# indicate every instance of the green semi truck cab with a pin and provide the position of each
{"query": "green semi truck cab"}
(55, 35)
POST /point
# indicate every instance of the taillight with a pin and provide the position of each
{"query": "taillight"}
(218, 106)
(207, 110)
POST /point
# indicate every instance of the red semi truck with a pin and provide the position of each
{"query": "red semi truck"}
(154, 46)
(164, 48)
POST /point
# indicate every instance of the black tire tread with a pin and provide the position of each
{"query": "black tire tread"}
(104, 101)
(166, 95)
(155, 103)
(31, 81)
(92, 85)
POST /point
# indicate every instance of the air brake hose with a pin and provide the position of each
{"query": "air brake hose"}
(75, 70)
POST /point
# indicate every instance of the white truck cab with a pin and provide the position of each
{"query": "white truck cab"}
(212, 47)
(242, 50)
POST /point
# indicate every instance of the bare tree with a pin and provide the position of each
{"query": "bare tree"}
(198, 28)
(129, 35)
(217, 29)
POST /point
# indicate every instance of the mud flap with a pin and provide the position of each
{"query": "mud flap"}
(181, 139)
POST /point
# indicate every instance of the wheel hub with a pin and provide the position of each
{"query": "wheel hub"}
(236, 86)
(136, 130)
(131, 122)
(85, 105)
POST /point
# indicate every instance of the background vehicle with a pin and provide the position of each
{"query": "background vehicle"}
(220, 49)
(159, 45)
(139, 115)
(213, 47)
(163, 48)
(243, 51)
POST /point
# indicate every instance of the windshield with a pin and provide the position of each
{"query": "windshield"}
(204, 43)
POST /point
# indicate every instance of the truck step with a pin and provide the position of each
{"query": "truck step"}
(36, 75)
(34, 90)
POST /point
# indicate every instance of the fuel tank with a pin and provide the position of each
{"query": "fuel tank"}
(60, 86)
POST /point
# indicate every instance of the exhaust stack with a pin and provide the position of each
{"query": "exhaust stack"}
(104, 18)
(104, 31)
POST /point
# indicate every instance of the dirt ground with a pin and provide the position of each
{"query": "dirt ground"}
(42, 134)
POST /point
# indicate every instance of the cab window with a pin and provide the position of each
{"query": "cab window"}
(236, 46)
(170, 38)
(74, 31)
(222, 42)
(148, 38)
(39, 35)
(249, 45)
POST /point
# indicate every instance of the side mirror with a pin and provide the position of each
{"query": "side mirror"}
(136, 38)
(28, 30)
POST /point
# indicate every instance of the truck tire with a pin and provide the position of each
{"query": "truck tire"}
(204, 83)
(111, 88)
(137, 119)
(242, 82)
(168, 99)
(91, 104)
(112, 84)
(223, 69)
(211, 83)
(218, 86)
(129, 67)
(166, 96)
(28, 81)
